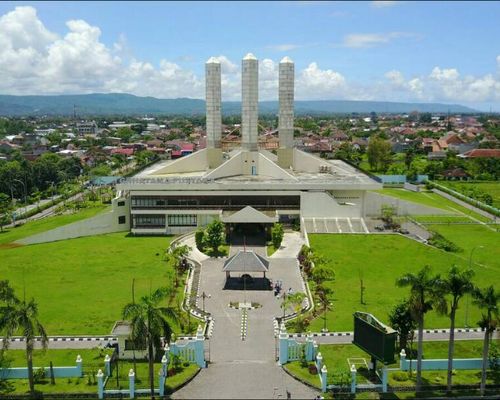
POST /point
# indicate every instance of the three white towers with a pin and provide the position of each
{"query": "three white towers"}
(249, 103)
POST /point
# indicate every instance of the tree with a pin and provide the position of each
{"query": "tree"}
(321, 273)
(324, 293)
(277, 234)
(422, 295)
(402, 321)
(178, 255)
(5, 207)
(215, 234)
(379, 154)
(456, 284)
(124, 133)
(150, 322)
(487, 299)
(18, 316)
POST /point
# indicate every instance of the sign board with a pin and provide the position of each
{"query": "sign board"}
(374, 337)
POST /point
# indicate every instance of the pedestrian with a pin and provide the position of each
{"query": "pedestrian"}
(289, 291)
(288, 395)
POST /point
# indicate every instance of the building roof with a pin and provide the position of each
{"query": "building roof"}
(249, 215)
(482, 153)
(246, 261)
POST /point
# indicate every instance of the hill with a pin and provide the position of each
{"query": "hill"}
(118, 103)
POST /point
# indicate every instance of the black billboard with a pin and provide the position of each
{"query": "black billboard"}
(375, 338)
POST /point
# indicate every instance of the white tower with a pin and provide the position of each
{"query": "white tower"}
(286, 89)
(249, 104)
(213, 102)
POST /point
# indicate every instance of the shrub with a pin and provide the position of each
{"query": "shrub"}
(400, 376)
(38, 375)
(441, 242)
(313, 370)
(199, 238)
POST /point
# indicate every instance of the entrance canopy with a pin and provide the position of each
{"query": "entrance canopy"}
(246, 261)
(249, 215)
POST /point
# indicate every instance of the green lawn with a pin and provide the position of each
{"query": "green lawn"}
(33, 227)
(336, 358)
(93, 360)
(81, 285)
(492, 188)
(270, 249)
(380, 259)
(431, 199)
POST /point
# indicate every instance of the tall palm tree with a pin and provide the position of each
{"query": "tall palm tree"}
(150, 322)
(422, 295)
(21, 316)
(487, 299)
(456, 284)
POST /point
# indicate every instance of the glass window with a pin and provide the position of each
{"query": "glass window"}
(182, 220)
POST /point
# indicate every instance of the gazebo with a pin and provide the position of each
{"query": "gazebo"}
(246, 261)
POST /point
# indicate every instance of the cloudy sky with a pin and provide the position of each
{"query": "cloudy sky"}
(381, 50)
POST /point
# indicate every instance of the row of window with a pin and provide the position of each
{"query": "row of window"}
(182, 220)
(159, 220)
(149, 220)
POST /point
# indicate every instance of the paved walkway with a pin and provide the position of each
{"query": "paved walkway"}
(290, 247)
(244, 367)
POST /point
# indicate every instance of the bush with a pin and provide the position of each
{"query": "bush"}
(199, 238)
(400, 376)
(439, 241)
(38, 375)
(313, 370)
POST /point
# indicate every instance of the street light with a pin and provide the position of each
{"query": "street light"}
(468, 294)
(204, 296)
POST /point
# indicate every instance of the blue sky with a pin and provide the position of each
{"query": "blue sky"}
(399, 51)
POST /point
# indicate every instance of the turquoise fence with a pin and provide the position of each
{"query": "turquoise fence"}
(441, 364)
(59, 372)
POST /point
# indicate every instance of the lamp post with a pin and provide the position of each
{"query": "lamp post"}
(203, 297)
(468, 295)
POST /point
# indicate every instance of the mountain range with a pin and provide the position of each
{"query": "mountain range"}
(127, 104)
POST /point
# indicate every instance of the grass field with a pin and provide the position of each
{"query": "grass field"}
(34, 227)
(81, 285)
(380, 259)
(428, 198)
(338, 358)
(93, 360)
(492, 188)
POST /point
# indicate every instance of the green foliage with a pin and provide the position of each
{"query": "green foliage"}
(494, 357)
(101, 170)
(277, 234)
(215, 234)
(321, 273)
(39, 375)
(379, 154)
(400, 376)
(124, 133)
(401, 320)
(439, 241)
(199, 238)
(145, 157)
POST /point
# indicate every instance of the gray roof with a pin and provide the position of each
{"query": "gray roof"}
(246, 261)
(249, 214)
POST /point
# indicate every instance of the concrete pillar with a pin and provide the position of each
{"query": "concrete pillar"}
(107, 365)
(100, 384)
(200, 348)
(286, 97)
(131, 381)
(315, 350)
(309, 348)
(163, 374)
(384, 379)
(283, 338)
(79, 365)
(249, 102)
(213, 102)
(353, 378)
(324, 377)
(402, 360)
(319, 362)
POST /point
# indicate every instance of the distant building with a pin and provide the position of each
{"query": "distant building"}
(481, 153)
(86, 128)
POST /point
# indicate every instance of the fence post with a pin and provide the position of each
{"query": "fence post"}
(107, 365)
(163, 374)
(100, 384)
(283, 356)
(402, 360)
(315, 350)
(200, 348)
(319, 362)
(353, 378)
(384, 379)
(309, 348)
(131, 380)
(79, 365)
(324, 373)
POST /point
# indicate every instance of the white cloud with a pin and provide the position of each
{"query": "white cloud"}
(359, 40)
(384, 4)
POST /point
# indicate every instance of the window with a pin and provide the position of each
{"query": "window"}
(148, 221)
(121, 203)
(182, 220)
(122, 219)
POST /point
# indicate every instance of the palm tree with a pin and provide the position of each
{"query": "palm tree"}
(456, 284)
(177, 255)
(150, 322)
(487, 299)
(21, 316)
(422, 295)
